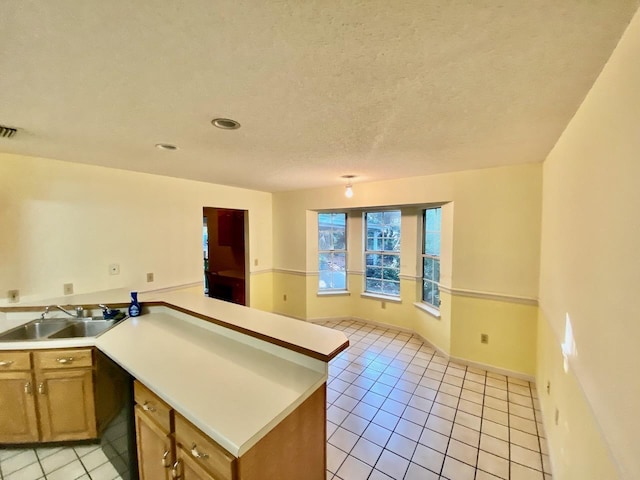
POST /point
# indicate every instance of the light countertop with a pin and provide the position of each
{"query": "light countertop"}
(231, 391)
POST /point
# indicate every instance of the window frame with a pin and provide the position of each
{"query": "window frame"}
(331, 252)
(424, 255)
(382, 254)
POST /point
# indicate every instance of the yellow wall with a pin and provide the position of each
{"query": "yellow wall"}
(590, 273)
(491, 234)
(511, 328)
(65, 223)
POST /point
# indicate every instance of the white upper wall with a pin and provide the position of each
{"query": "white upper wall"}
(496, 223)
(590, 268)
(65, 223)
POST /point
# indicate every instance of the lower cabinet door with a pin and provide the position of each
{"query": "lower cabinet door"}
(66, 404)
(186, 468)
(18, 420)
(155, 454)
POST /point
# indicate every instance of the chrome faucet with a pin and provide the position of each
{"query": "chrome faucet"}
(79, 312)
(45, 313)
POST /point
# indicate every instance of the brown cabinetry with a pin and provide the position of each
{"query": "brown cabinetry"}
(18, 420)
(156, 451)
(49, 396)
(293, 449)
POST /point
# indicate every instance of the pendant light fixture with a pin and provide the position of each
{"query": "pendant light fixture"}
(348, 192)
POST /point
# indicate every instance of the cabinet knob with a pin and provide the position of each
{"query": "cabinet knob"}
(166, 462)
(6, 363)
(64, 361)
(147, 407)
(41, 389)
(196, 453)
(175, 473)
(27, 388)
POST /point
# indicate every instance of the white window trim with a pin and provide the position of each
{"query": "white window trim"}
(427, 307)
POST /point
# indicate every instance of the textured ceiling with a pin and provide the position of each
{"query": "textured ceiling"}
(375, 88)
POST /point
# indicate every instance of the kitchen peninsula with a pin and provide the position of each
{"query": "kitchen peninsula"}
(230, 392)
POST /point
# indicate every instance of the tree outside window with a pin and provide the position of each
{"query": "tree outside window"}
(382, 252)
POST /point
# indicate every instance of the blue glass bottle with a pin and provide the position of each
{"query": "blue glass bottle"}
(134, 306)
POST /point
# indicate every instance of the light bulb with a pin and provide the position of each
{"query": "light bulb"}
(348, 192)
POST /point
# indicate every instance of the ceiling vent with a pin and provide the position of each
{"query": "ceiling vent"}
(7, 132)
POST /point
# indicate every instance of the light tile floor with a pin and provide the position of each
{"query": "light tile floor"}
(397, 409)
(100, 461)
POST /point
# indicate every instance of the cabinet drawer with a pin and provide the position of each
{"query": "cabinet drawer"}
(10, 360)
(211, 456)
(152, 406)
(48, 359)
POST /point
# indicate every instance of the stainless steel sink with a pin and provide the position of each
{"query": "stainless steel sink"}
(89, 328)
(34, 330)
(58, 328)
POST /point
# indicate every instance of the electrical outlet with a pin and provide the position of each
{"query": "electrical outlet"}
(255, 262)
(557, 416)
(284, 297)
(383, 305)
(484, 338)
(68, 288)
(114, 269)
(13, 296)
(150, 277)
(548, 387)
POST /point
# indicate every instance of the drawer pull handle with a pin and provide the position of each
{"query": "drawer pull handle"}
(174, 471)
(64, 361)
(166, 463)
(41, 390)
(27, 388)
(148, 407)
(6, 363)
(197, 454)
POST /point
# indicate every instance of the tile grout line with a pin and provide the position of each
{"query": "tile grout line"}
(484, 390)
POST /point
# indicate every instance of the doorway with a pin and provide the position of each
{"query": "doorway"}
(225, 250)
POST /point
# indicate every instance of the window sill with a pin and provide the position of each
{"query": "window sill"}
(379, 296)
(434, 312)
(333, 293)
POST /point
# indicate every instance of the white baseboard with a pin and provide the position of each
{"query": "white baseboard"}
(460, 360)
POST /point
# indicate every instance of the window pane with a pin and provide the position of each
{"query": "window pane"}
(339, 237)
(427, 270)
(391, 288)
(324, 219)
(390, 274)
(432, 244)
(391, 261)
(391, 244)
(436, 296)
(374, 259)
(436, 270)
(392, 218)
(374, 218)
(324, 260)
(339, 280)
(374, 286)
(374, 272)
(427, 291)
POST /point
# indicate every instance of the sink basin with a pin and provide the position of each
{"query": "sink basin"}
(35, 330)
(58, 328)
(85, 328)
